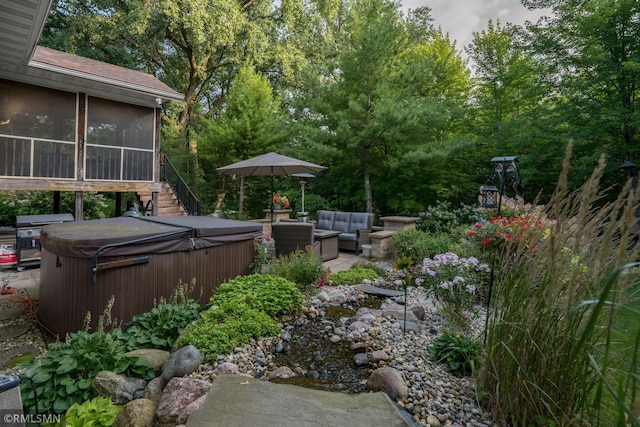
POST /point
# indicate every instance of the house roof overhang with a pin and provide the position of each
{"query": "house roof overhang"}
(21, 24)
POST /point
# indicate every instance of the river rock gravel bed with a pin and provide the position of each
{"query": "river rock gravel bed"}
(435, 396)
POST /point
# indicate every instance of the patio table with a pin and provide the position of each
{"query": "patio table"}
(328, 243)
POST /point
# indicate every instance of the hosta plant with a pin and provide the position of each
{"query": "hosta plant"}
(64, 376)
(97, 412)
(457, 352)
(161, 326)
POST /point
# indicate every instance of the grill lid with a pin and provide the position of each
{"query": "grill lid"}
(38, 220)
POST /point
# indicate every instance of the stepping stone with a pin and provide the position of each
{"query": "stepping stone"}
(12, 353)
(14, 331)
(379, 291)
(7, 313)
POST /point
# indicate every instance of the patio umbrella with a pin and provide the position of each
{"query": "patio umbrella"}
(270, 164)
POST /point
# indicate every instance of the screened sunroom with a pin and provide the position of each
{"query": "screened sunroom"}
(69, 123)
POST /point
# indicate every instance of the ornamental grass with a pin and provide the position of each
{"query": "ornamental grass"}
(563, 336)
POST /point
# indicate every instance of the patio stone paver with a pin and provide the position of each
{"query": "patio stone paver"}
(379, 291)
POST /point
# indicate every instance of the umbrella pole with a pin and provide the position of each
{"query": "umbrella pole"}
(241, 201)
(271, 194)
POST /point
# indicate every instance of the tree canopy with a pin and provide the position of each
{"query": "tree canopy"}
(385, 100)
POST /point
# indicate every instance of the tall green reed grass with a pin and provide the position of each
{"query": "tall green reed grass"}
(563, 340)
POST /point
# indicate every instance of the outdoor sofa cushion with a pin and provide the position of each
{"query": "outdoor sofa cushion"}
(324, 220)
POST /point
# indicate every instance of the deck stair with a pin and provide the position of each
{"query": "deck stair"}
(168, 203)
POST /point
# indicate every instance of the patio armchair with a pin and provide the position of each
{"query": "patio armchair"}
(292, 236)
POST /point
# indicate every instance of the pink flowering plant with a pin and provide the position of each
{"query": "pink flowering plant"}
(264, 251)
(455, 282)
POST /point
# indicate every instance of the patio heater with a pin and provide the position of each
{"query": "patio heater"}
(303, 178)
(502, 168)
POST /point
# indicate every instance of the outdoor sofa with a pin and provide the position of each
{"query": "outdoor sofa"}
(354, 227)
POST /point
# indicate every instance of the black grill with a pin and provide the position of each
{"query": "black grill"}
(28, 235)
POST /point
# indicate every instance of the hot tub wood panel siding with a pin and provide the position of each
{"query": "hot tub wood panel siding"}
(67, 291)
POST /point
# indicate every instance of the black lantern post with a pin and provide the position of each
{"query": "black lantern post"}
(632, 171)
(489, 196)
(502, 169)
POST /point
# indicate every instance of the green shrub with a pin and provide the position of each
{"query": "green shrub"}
(353, 276)
(97, 412)
(417, 245)
(462, 245)
(270, 294)
(443, 219)
(64, 375)
(458, 352)
(301, 267)
(312, 203)
(14, 203)
(223, 328)
(369, 265)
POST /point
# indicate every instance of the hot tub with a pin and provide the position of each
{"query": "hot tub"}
(138, 260)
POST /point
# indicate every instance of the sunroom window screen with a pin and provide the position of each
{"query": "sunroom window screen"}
(119, 141)
(37, 131)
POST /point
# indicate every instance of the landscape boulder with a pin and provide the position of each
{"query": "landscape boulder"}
(137, 413)
(154, 357)
(226, 368)
(390, 381)
(183, 362)
(119, 388)
(397, 311)
(281, 372)
(418, 311)
(181, 398)
(154, 389)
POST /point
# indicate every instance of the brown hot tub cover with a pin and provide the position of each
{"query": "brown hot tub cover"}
(136, 235)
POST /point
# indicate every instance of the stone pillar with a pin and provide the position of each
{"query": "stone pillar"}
(382, 244)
